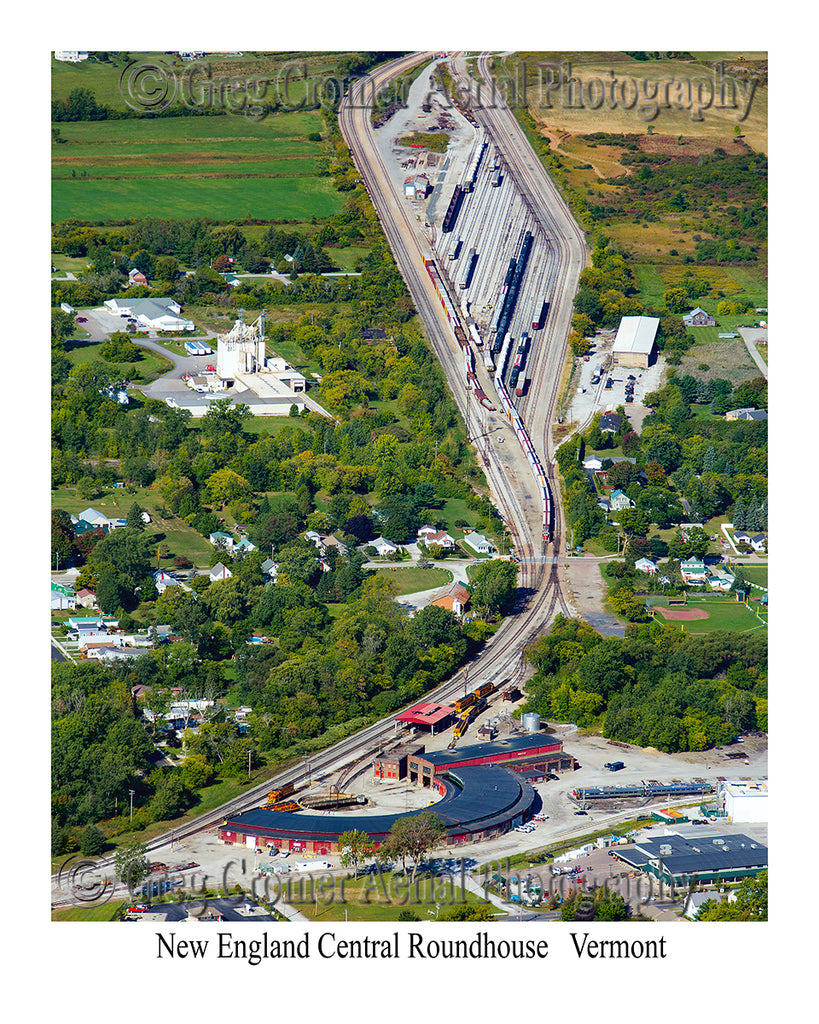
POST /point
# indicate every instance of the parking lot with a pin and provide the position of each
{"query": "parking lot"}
(588, 398)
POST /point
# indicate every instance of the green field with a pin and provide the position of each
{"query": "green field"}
(410, 581)
(381, 897)
(724, 613)
(146, 369)
(104, 912)
(756, 574)
(225, 167)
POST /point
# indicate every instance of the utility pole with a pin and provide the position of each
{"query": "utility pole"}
(132, 805)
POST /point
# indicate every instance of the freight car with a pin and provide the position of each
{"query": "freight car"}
(452, 210)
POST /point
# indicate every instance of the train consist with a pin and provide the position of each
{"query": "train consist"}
(547, 505)
(517, 379)
(452, 210)
(460, 336)
(471, 174)
(468, 707)
(643, 789)
(509, 293)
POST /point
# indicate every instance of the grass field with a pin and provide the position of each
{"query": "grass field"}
(382, 898)
(724, 613)
(410, 580)
(224, 166)
(104, 912)
(146, 369)
(756, 574)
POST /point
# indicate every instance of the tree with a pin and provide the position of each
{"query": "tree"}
(355, 846)
(751, 903)
(133, 519)
(131, 864)
(412, 838)
(492, 585)
(92, 842)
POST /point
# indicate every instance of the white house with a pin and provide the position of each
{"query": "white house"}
(758, 542)
(645, 565)
(620, 500)
(425, 530)
(593, 462)
(244, 546)
(440, 538)
(71, 56)
(222, 540)
(479, 543)
(693, 570)
(219, 572)
(95, 518)
(384, 546)
(164, 580)
(270, 568)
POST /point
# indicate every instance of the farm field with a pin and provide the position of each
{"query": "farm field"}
(225, 167)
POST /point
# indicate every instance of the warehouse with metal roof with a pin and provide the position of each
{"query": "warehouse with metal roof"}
(679, 859)
(634, 344)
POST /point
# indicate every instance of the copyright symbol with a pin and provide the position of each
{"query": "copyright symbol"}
(146, 86)
(84, 881)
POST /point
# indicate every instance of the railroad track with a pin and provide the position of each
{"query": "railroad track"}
(503, 657)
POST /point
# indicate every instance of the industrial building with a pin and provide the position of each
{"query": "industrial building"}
(679, 859)
(514, 752)
(635, 340)
(476, 803)
(162, 314)
(744, 801)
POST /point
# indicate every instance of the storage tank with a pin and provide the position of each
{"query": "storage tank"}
(531, 721)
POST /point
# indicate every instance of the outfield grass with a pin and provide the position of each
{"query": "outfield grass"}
(724, 613)
(411, 580)
(756, 574)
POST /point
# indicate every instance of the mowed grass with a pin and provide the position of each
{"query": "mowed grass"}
(148, 368)
(378, 897)
(411, 580)
(724, 613)
(225, 167)
(104, 912)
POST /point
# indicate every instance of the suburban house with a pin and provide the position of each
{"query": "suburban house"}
(317, 538)
(86, 598)
(222, 540)
(593, 462)
(270, 568)
(244, 546)
(161, 314)
(334, 542)
(620, 500)
(747, 414)
(383, 546)
(440, 538)
(758, 542)
(698, 318)
(610, 423)
(164, 580)
(424, 531)
(645, 565)
(720, 579)
(693, 570)
(219, 572)
(479, 543)
(62, 598)
(136, 277)
(96, 519)
(455, 599)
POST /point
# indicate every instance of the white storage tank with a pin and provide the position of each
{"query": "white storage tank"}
(531, 721)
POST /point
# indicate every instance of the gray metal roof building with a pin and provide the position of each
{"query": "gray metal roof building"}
(678, 858)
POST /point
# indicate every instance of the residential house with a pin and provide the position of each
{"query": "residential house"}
(455, 599)
(645, 565)
(219, 572)
(593, 462)
(720, 579)
(604, 503)
(86, 598)
(317, 538)
(97, 520)
(693, 570)
(742, 537)
(479, 543)
(384, 546)
(758, 542)
(62, 598)
(270, 568)
(698, 318)
(747, 414)
(425, 531)
(135, 278)
(220, 539)
(244, 547)
(164, 580)
(610, 423)
(334, 542)
(620, 500)
(441, 539)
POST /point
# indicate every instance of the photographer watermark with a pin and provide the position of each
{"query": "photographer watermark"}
(154, 87)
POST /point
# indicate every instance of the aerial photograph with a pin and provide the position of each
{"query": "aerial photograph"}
(409, 501)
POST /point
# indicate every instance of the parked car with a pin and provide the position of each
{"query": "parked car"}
(81, 319)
